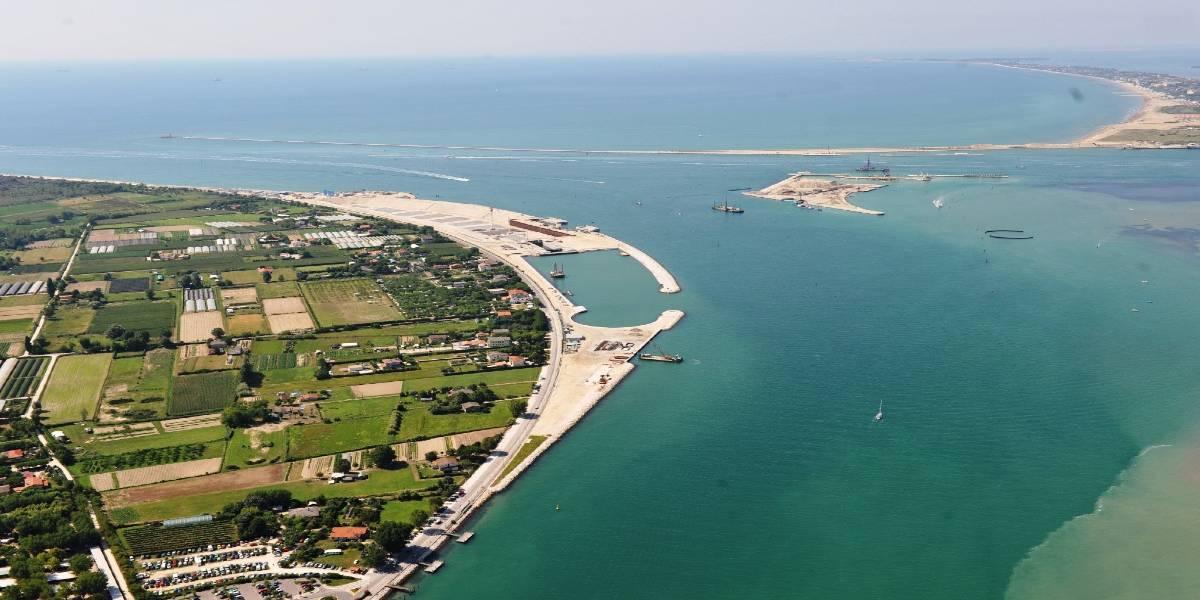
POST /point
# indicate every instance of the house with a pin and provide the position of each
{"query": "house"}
(516, 296)
(445, 464)
(348, 534)
(310, 397)
(438, 339)
(471, 345)
(15, 454)
(391, 363)
(305, 512)
(516, 361)
(217, 346)
(469, 407)
(496, 357)
(59, 436)
(33, 480)
(500, 332)
(504, 314)
(499, 341)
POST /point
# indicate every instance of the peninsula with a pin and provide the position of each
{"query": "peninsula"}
(312, 392)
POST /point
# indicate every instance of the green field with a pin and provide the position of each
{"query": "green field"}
(203, 392)
(358, 409)
(74, 388)
(420, 423)
(401, 511)
(249, 448)
(319, 439)
(252, 276)
(152, 317)
(523, 453)
(277, 289)
(68, 321)
(98, 445)
(380, 482)
(348, 302)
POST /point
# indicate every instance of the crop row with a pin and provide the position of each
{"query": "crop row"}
(142, 458)
(264, 362)
(23, 377)
(156, 539)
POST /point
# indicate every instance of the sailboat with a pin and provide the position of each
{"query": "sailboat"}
(557, 272)
(879, 415)
(937, 203)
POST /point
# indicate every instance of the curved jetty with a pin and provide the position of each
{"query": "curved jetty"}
(1008, 234)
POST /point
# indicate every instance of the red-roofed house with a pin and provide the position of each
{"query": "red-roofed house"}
(15, 454)
(347, 534)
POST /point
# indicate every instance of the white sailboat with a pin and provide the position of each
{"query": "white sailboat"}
(938, 204)
(879, 415)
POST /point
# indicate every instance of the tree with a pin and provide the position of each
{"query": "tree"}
(108, 276)
(391, 535)
(115, 331)
(51, 308)
(322, 369)
(383, 456)
(266, 276)
(518, 407)
(342, 465)
(431, 455)
(91, 582)
(80, 563)
(150, 293)
(217, 332)
(244, 415)
(373, 555)
(419, 516)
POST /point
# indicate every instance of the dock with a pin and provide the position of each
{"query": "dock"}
(466, 537)
(434, 566)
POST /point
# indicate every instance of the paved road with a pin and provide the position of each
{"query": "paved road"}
(67, 269)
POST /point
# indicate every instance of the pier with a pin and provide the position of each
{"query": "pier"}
(464, 538)
(434, 566)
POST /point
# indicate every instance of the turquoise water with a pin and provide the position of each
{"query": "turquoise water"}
(1019, 386)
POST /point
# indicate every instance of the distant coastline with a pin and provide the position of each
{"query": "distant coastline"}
(1150, 127)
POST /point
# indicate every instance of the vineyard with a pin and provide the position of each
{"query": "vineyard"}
(24, 377)
(141, 458)
(263, 362)
(204, 392)
(156, 539)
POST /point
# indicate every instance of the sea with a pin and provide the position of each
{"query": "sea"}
(1040, 395)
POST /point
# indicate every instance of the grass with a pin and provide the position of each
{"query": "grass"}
(211, 362)
(69, 322)
(348, 302)
(380, 482)
(247, 324)
(25, 300)
(523, 453)
(241, 453)
(74, 388)
(358, 409)
(145, 457)
(253, 276)
(401, 511)
(277, 289)
(319, 439)
(420, 423)
(203, 392)
(95, 445)
(345, 560)
(152, 317)
(15, 329)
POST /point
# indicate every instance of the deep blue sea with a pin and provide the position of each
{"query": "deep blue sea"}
(1020, 386)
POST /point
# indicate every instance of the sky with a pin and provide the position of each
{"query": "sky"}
(72, 30)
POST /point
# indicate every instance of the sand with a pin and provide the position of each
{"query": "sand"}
(279, 306)
(825, 193)
(283, 323)
(198, 326)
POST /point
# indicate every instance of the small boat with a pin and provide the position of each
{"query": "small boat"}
(1134, 310)
(557, 508)
(879, 415)
(567, 293)
(660, 356)
(557, 272)
(622, 253)
(921, 177)
(937, 203)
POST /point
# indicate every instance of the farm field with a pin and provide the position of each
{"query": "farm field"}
(246, 324)
(249, 447)
(196, 496)
(169, 472)
(231, 296)
(286, 322)
(252, 276)
(151, 317)
(349, 302)
(419, 422)
(14, 330)
(110, 446)
(203, 392)
(358, 409)
(24, 377)
(69, 321)
(277, 289)
(145, 457)
(317, 439)
(198, 326)
(155, 539)
(74, 388)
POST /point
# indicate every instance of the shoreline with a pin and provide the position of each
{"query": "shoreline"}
(572, 382)
(1148, 116)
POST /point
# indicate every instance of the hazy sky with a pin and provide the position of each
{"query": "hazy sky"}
(153, 29)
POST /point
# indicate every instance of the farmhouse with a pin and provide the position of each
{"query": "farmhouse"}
(347, 534)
